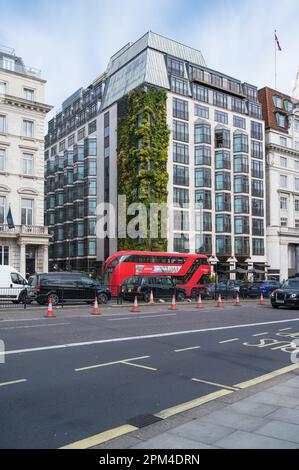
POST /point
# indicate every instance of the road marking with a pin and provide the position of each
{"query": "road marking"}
(100, 438)
(191, 404)
(261, 334)
(229, 340)
(134, 338)
(111, 363)
(284, 329)
(3, 384)
(32, 326)
(186, 349)
(145, 316)
(137, 365)
(265, 377)
(215, 384)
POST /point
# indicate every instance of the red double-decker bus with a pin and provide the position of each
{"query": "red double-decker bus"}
(190, 271)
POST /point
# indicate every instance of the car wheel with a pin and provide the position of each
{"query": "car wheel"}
(42, 301)
(102, 298)
(146, 297)
(180, 297)
(55, 299)
(275, 306)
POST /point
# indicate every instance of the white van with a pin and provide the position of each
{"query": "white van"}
(12, 285)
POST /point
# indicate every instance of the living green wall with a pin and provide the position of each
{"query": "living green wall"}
(143, 138)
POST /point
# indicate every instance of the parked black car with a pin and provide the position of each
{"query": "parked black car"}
(224, 288)
(163, 287)
(287, 295)
(255, 289)
(65, 286)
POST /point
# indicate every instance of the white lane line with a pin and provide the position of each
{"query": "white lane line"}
(32, 326)
(96, 366)
(261, 334)
(145, 316)
(3, 384)
(215, 384)
(229, 340)
(186, 349)
(284, 329)
(137, 365)
(157, 335)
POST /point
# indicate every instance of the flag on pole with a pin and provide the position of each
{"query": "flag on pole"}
(277, 42)
(9, 219)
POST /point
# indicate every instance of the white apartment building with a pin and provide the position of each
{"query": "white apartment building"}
(281, 116)
(22, 115)
(216, 161)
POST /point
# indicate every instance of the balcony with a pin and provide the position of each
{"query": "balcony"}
(22, 230)
(9, 61)
(206, 78)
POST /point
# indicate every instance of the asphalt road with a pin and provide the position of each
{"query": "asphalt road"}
(77, 375)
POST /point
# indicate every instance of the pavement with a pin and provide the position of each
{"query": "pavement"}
(177, 379)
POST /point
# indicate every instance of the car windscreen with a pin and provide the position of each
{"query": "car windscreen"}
(291, 284)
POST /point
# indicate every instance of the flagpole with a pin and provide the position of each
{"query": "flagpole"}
(275, 60)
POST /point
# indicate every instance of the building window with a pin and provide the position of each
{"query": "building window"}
(202, 111)
(223, 245)
(71, 140)
(4, 255)
(257, 188)
(241, 164)
(221, 117)
(222, 138)
(296, 184)
(27, 164)
(283, 221)
(241, 205)
(258, 247)
(242, 246)
(240, 142)
(175, 66)
(257, 170)
(258, 207)
(277, 101)
(241, 184)
(181, 220)
(203, 177)
(223, 202)
(202, 134)
(81, 134)
(222, 181)
(92, 127)
(283, 202)
(238, 105)
(181, 243)
(283, 141)
(27, 212)
(179, 86)
(283, 162)
(180, 175)
(203, 199)
(257, 149)
(2, 160)
(241, 225)
(180, 109)
(203, 222)
(283, 181)
(280, 119)
(200, 93)
(254, 110)
(222, 160)
(62, 146)
(203, 155)
(297, 205)
(8, 64)
(28, 128)
(2, 88)
(256, 130)
(2, 209)
(2, 123)
(203, 244)
(180, 153)
(180, 131)
(181, 197)
(258, 227)
(239, 122)
(219, 99)
(28, 94)
(296, 123)
(296, 223)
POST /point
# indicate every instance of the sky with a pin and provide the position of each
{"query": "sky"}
(71, 41)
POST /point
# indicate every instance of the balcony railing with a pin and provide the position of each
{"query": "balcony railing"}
(23, 230)
(23, 69)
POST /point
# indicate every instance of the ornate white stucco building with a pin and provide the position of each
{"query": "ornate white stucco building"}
(22, 115)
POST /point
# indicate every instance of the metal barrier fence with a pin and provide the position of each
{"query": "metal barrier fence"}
(13, 297)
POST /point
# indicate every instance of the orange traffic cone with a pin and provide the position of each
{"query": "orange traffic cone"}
(173, 303)
(151, 298)
(219, 302)
(135, 306)
(96, 308)
(50, 313)
(237, 302)
(199, 302)
(261, 301)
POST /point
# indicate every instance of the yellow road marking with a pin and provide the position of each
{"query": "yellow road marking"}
(100, 438)
(191, 404)
(261, 334)
(111, 363)
(12, 382)
(137, 365)
(229, 340)
(186, 349)
(265, 377)
(215, 384)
